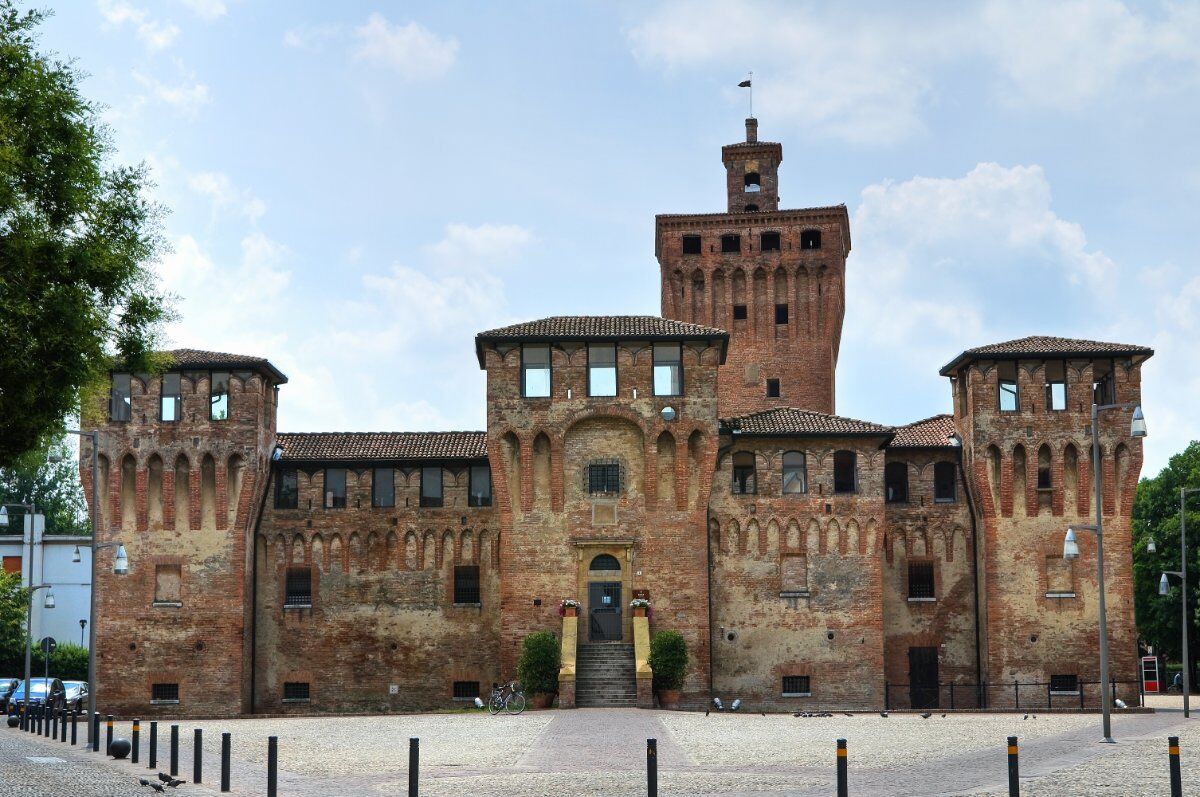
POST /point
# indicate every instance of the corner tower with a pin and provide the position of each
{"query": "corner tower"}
(775, 279)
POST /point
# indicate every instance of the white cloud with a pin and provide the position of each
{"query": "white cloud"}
(154, 34)
(411, 50)
(208, 10)
(491, 241)
(312, 38)
(187, 97)
(225, 196)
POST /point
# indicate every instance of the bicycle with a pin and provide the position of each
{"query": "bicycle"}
(508, 697)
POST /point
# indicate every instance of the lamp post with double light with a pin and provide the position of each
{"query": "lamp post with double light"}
(1164, 586)
(1137, 428)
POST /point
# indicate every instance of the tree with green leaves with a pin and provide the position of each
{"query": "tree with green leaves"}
(50, 481)
(77, 235)
(1156, 516)
(14, 600)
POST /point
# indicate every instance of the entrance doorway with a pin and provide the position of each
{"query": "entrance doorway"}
(604, 611)
(923, 678)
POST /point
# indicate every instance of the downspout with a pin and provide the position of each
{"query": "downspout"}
(974, 565)
(721, 450)
(262, 507)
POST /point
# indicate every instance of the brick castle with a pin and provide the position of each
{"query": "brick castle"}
(809, 560)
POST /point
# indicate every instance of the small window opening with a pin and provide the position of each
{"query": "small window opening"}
(1064, 684)
(1056, 386)
(121, 408)
(219, 396)
(769, 242)
(295, 691)
(751, 208)
(604, 477)
(171, 403)
(845, 466)
(1045, 480)
(691, 244)
(796, 686)
(739, 312)
(1104, 387)
(895, 477)
(535, 371)
(920, 580)
(298, 587)
(168, 581)
(287, 492)
(164, 693)
(810, 239)
(602, 369)
(383, 487)
(605, 562)
(466, 584)
(335, 488)
(753, 183)
(772, 388)
(1006, 375)
(781, 314)
(479, 491)
(668, 369)
(431, 486)
(466, 690)
(744, 481)
(731, 243)
(795, 473)
(945, 482)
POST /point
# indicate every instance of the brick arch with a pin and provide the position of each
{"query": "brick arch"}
(853, 537)
(870, 541)
(736, 541)
(412, 556)
(772, 547)
(753, 537)
(792, 542)
(813, 538)
(317, 547)
(337, 554)
(297, 551)
(429, 546)
(446, 553)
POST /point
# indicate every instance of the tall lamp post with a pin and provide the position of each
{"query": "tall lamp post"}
(94, 436)
(1137, 428)
(31, 514)
(1164, 586)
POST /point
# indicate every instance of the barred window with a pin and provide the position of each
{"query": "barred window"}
(466, 690)
(295, 691)
(920, 580)
(164, 693)
(299, 587)
(287, 492)
(1064, 684)
(604, 477)
(796, 686)
(466, 584)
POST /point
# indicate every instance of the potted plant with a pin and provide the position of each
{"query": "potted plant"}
(538, 667)
(640, 606)
(669, 660)
(568, 607)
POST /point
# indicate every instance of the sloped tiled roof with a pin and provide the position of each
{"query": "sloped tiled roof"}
(930, 433)
(789, 421)
(365, 446)
(199, 359)
(1046, 346)
(599, 327)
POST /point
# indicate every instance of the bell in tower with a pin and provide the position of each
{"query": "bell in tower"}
(752, 172)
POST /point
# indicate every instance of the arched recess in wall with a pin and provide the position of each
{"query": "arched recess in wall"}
(762, 316)
(235, 468)
(793, 543)
(739, 291)
(102, 488)
(1070, 479)
(782, 294)
(802, 298)
(371, 553)
(182, 497)
(695, 452)
(832, 540)
(734, 538)
(410, 551)
(318, 553)
(511, 453)
(772, 547)
(297, 554)
(208, 492)
(993, 470)
(541, 470)
(429, 552)
(448, 550)
(485, 549)
(753, 541)
(1121, 474)
(666, 469)
(1045, 478)
(154, 492)
(354, 562)
(812, 538)
(128, 492)
(698, 300)
(337, 562)
(1018, 479)
(821, 297)
(468, 547)
(853, 536)
(718, 298)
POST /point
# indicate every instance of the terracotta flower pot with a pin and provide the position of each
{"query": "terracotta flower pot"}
(668, 698)
(542, 700)
(570, 611)
(639, 611)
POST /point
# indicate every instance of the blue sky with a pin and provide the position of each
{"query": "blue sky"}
(355, 189)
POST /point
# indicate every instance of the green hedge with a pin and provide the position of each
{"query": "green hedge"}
(668, 659)
(539, 663)
(68, 662)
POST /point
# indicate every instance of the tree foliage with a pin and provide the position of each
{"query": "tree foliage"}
(52, 487)
(76, 236)
(13, 602)
(1156, 515)
(668, 659)
(538, 666)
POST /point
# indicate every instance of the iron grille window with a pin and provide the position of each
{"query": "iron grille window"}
(120, 408)
(796, 686)
(1064, 683)
(466, 584)
(920, 579)
(295, 690)
(335, 488)
(604, 477)
(944, 474)
(479, 491)
(691, 244)
(299, 587)
(431, 486)
(466, 690)
(383, 487)
(164, 693)
(171, 403)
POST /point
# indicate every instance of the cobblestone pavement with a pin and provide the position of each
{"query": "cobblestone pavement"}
(602, 752)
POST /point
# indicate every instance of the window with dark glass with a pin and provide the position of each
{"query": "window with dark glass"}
(287, 490)
(668, 369)
(171, 401)
(796, 686)
(466, 584)
(298, 587)
(479, 489)
(335, 488)
(795, 473)
(744, 478)
(218, 396)
(895, 482)
(1056, 385)
(164, 693)
(945, 482)
(781, 314)
(466, 690)
(604, 477)
(769, 242)
(810, 239)
(121, 406)
(739, 312)
(383, 487)
(602, 369)
(751, 208)
(845, 472)
(1045, 481)
(920, 580)
(772, 388)
(1064, 684)
(731, 243)
(691, 244)
(1006, 375)
(431, 486)
(295, 691)
(535, 371)
(1104, 386)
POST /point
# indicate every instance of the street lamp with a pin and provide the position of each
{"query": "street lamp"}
(1164, 585)
(94, 436)
(1137, 428)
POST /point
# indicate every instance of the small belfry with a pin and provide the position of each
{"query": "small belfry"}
(752, 172)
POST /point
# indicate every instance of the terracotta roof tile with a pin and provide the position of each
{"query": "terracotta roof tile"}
(602, 326)
(930, 433)
(200, 360)
(788, 421)
(1045, 346)
(366, 446)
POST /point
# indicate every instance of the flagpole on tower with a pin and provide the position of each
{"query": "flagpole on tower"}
(749, 84)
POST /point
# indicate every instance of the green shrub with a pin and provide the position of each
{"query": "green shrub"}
(539, 663)
(668, 659)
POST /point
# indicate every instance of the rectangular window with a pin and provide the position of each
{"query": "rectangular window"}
(731, 243)
(479, 491)
(769, 242)
(739, 312)
(602, 369)
(781, 314)
(691, 244)
(295, 691)
(1058, 577)
(1064, 684)
(298, 587)
(466, 584)
(12, 564)
(920, 580)
(383, 487)
(1056, 386)
(604, 477)
(1104, 388)
(535, 371)
(218, 396)
(744, 477)
(431, 487)
(466, 690)
(668, 369)
(164, 693)
(795, 473)
(171, 402)
(120, 407)
(796, 686)
(287, 491)
(1007, 383)
(772, 388)
(945, 482)
(845, 472)
(167, 583)
(335, 488)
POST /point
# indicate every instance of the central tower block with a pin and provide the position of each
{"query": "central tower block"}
(774, 279)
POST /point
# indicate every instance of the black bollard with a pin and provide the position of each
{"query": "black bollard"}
(225, 762)
(414, 765)
(108, 728)
(174, 751)
(272, 765)
(652, 767)
(1014, 783)
(39, 712)
(843, 788)
(197, 755)
(74, 728)
(1176, 780)
(95, 725)
(54, 723)
(152, 759)
(64, 726)
(137, 733)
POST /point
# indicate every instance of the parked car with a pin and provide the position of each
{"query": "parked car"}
(76, 695)
(41, 690)
(7, 687)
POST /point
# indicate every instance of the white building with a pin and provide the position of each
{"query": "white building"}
(51, 563)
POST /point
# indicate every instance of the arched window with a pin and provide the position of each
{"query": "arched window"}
(753, 182)
(605, 562)
(895, 481)
(744, 482)
(845, 476)
(810, 239)
(795, 473)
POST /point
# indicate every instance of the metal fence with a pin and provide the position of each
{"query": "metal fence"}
(1015, 695)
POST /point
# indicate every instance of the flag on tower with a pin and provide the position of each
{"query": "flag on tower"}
(745, 84)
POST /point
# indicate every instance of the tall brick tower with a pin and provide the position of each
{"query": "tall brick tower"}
(774, 279)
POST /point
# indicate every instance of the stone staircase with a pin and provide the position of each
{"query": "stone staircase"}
(604, 676)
